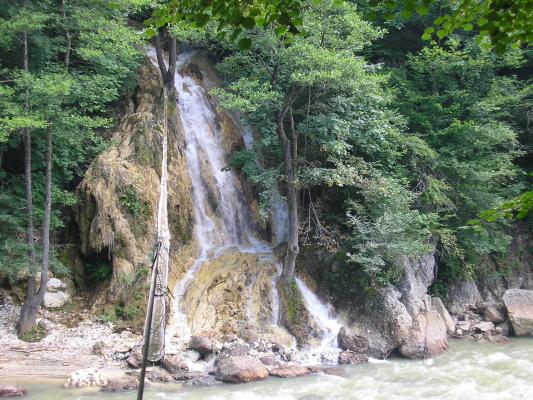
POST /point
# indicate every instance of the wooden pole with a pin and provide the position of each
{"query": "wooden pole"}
(148, 324)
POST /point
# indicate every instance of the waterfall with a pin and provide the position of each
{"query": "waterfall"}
(327, 350)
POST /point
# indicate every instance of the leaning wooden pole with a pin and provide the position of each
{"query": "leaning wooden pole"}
(148, 323)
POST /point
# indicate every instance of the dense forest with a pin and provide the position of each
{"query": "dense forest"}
(386, 139)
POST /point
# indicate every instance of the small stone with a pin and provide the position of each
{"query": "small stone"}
(268, 360)
(477, 336)
(98, 348)
(484, 327)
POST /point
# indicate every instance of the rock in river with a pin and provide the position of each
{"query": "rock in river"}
(519, 305)
(7, 390)
(240, 369)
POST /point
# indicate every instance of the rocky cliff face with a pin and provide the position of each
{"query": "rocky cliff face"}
(402, 318)
(117, 211)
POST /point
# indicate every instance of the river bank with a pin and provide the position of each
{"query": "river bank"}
(469, 370)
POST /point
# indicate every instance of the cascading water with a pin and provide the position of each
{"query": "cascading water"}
(327, 350)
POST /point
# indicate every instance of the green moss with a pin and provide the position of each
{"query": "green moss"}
(35, 335)
(292, 300)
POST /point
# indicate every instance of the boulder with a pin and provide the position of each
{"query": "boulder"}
(240, 369)
(289, 371)
(201, 344)
(85, 378)
(233, 349)
(7, 390)
(120, 385)
(349, 357)
(55, 299)
(134, 360)
(438, 305)
(519, 304)
(462, 296)
(174, 363)
(492, 313)
(156, 374)
(427, 337)
(55, 285)
(349, 340)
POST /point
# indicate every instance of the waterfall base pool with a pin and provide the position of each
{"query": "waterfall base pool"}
(468, 371)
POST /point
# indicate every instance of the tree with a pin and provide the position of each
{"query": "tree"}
(75, 61)
(315, 104)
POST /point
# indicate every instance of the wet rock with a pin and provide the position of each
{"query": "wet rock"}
(85, 378)
(7, 390)
(193, 71)
(289, 371)
(519, 304)
(333, 371)
(157, 374)
(500, 339)
(174, 363)
(120, 385)
(484, 327)
(240, 370)
(55, 299)
(349, 340)
(464, 326)
(134, 360)
(201, 344)
(443, 313)
(349, 357)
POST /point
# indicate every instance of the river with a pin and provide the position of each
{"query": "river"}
(468, 371)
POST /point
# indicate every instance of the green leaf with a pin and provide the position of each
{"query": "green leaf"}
(248, 22)
(245, 44)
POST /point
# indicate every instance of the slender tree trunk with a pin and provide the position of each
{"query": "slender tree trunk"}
(46, 220)
(289, 262)
(27, 314)
(67, 33)
(172, 54)
(159, 53)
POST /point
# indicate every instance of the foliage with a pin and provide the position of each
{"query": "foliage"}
(82, 58)
(130, 200)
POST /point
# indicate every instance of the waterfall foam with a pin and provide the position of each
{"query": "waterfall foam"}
(327, 350)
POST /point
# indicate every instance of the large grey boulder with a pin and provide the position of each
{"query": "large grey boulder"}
(404, 317)
(240, 369)
(55, 299)
(519, 304)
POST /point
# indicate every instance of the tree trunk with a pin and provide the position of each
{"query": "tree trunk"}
(67, 34)
(171, 63)
(46, 220)
(159, 53)
(27, 314)
(289, 262)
